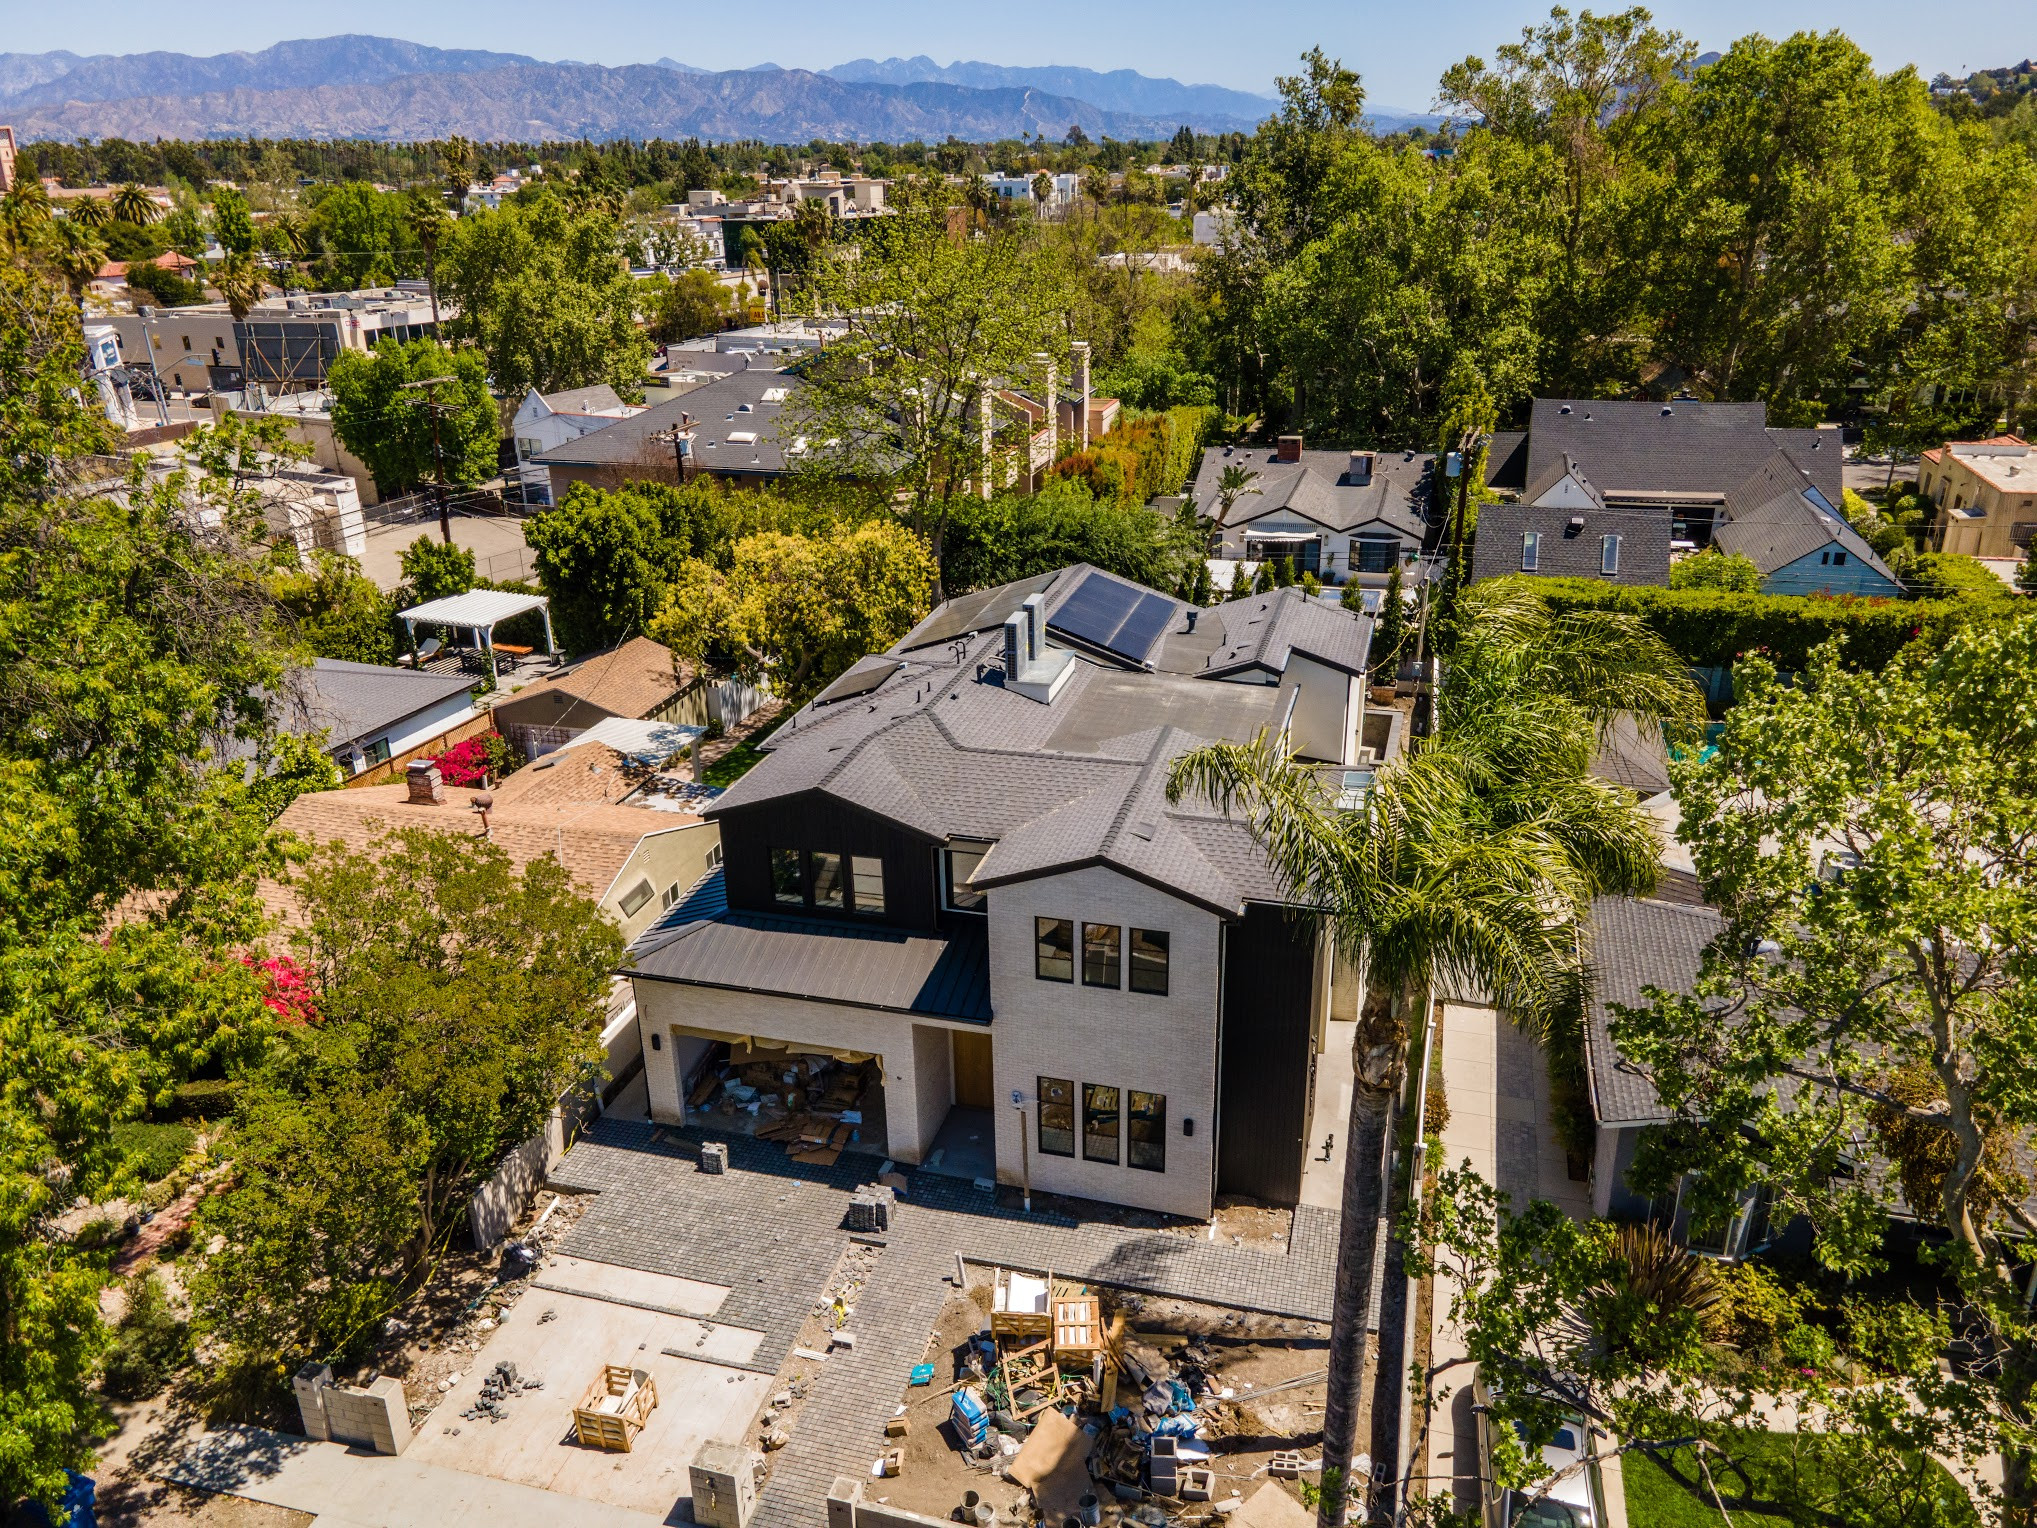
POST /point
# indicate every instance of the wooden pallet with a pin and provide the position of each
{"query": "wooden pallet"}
(615, 1408)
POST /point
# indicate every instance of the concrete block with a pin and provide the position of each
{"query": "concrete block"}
(714, 1157)
(311, 1383)
(842, 1501)
(725, 1486)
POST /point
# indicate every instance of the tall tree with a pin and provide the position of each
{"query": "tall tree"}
(1473, 859)
(391, 429)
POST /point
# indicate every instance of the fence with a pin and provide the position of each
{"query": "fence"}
(495, 1206)
(393, 767)
(422, 507)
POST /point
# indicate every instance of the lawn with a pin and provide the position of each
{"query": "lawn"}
(1804, 1479)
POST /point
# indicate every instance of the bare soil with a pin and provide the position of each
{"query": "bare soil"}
(131, 1502)
(835, 1311)
(937, 1471)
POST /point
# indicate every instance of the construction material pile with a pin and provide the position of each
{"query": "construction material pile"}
(810, 1104)
(502, 1383)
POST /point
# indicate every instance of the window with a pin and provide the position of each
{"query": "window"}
(1099, 954)
(186, 339)
(1531, 550)
(1609, 555)
(634, 899)
(828, 889)
(1824, 559)
(1099, 1123)
(1838, 559)
(1373, 554)
(788, 884)
(869, 878)
(378, 751)
(1057, 1117)
(714, 858)
(1146, 1144)
(958, 865)
(1054, 949)
(1149, 961)
(671, 895)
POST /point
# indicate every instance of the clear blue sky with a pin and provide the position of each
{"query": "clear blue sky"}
(1399, 47)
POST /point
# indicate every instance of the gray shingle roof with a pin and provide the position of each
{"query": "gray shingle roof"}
(598, 399)
(628, 442)
(1636, 942)
(1319, 487)
(1775, 520)
(1684, 447)
(1563, 552)
(820, 961)
(358, 702)
(1261, 631)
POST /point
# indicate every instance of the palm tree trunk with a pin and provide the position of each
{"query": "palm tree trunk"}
(1357, 1248)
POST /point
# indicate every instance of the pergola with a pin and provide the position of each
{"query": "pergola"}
(479, 611)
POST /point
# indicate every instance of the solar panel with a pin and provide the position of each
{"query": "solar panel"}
(1115, 618)
(980, 611)
(860, 679)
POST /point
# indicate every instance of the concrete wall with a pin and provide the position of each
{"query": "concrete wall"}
(377, 1417)
(848, 1509)
(934, 1069)
(1120, 1038)
(676, 1011)
(494, 1207)
(1325, 718)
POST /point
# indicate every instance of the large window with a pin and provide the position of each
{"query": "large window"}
(1146, 1143)
(1054, 949)
(957, 866)
(827, 880)
(788, 878)
(1149, 961)
(1374, 554)
(1057, 1117)
(1099, 1122)
(1531, 551)
(869, 885)
(1100, 955)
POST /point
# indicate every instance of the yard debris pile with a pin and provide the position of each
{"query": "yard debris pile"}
(502, 1383)
(810, 1104)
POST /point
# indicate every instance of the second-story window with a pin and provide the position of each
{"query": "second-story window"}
(828, 889)
(1100, 955)
(1054, 949)
(957, 866)
(788, 878)
(1149, 961)
(868, 874)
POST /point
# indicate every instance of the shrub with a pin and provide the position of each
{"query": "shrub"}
(202, 1098)
(466, 762)
(150, 1343)
(1146, 454)
(1714, 569)
(155, 1150)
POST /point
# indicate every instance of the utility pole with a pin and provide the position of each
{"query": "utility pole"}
(431, 405)
(676, 437)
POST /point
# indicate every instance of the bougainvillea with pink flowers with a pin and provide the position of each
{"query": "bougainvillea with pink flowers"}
(466, 763)
(287, 989)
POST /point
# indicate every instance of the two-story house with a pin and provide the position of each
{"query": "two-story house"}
(1986, 495)
(959, 863)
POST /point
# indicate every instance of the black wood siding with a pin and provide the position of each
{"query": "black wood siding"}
(814, 821)
(1263, 1076)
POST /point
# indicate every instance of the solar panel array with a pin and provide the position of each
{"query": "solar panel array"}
(975, 612)
(859, 680)
(1119, 619)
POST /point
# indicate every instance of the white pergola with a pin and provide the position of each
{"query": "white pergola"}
(479, 611)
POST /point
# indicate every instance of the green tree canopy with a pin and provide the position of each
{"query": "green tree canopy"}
(390, 427)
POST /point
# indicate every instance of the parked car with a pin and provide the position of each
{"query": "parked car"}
(1577, 1500)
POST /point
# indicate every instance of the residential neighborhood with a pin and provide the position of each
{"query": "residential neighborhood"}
(885, 793)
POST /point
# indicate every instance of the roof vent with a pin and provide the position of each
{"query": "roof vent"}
(1564, 410)
(1145, 830)
(1667, 411)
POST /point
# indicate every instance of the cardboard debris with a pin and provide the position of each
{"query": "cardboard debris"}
(1272, 1506)
(1053, 1464)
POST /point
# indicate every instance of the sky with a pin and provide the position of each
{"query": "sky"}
(1399, 48)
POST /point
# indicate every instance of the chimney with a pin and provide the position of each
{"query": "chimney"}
(1052, 400)
(1290, 448)
(427, 785)
(1081, 349)
(1035, 609)
(1361, 467)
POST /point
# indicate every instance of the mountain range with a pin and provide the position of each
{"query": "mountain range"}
(383, 88)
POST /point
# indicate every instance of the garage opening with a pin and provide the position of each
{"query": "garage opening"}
(817, 1104)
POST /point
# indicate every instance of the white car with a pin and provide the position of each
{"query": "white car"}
(1577, 1500)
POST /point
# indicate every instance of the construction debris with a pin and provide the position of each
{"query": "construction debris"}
(870, 1208)
(810, 1104)
(502, 1383)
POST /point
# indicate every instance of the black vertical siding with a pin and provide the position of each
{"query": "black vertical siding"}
(814, 821)
(1265, 1039)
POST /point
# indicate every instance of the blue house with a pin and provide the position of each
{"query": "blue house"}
(1785, 525)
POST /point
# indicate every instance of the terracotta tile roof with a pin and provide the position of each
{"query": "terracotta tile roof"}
(633, 680)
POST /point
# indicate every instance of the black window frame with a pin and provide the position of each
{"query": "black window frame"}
(1153, 1121)
(857, 905)
(840, 904)
(1111, 1112)
(1040, 928)
(1116, 956)
(1139, 977)
(377, 752)
(779, 859)
(1058, 1094)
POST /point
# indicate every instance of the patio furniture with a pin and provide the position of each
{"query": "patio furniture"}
(427, 650)
(513, 651)
(479, 611)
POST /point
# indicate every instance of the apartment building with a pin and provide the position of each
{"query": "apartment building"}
(285, 343)
(959, 864)
(1986, 494)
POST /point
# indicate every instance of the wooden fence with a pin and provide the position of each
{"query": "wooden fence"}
(392, 768)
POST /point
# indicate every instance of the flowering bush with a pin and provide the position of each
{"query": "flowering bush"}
(287, 989)
(465, 763)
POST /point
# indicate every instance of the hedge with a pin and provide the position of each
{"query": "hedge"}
(1146, 454)
(1711, 629)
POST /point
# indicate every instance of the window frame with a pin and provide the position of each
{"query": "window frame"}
(1531, 551)
(840, 902)
(1609, 556)
(377, 752)
(1154, 1117)
(1103, 1101)
(980, 905)
(1063, 1102)
(857, 905)
(1133, 968)
(1116, 956)
(778, 857)
(1040, 928)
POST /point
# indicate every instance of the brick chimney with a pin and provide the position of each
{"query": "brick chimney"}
(1289, 449)
(427, 785)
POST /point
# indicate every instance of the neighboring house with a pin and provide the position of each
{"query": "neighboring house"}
(959, 862)
(638, 681)
(545, 421)
(1797, 538)
(1336, 513)
(1611, 489)
(285, 343)
(110, 284)
(732, 431)
(628, 837)
(6, 160)
(371, 713)
(1986, 494)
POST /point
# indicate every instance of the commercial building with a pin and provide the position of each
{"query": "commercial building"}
(285, 344)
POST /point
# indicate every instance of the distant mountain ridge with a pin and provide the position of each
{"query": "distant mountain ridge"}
(1118, 90)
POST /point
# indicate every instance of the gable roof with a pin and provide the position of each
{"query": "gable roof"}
(598, 399)
(1685, 448)
(1777, 517)
(1318, 487)
(729, 405)
(632, 680)
(1262, 631)
(1636, 942)
(357, 702)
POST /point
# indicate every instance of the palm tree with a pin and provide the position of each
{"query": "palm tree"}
(78, 256)
(91, 211)
(239, 280)
(24, 211)
(428, 220)
(1472, 861)
(285, 234)
(132, 204)
(1232, 485)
